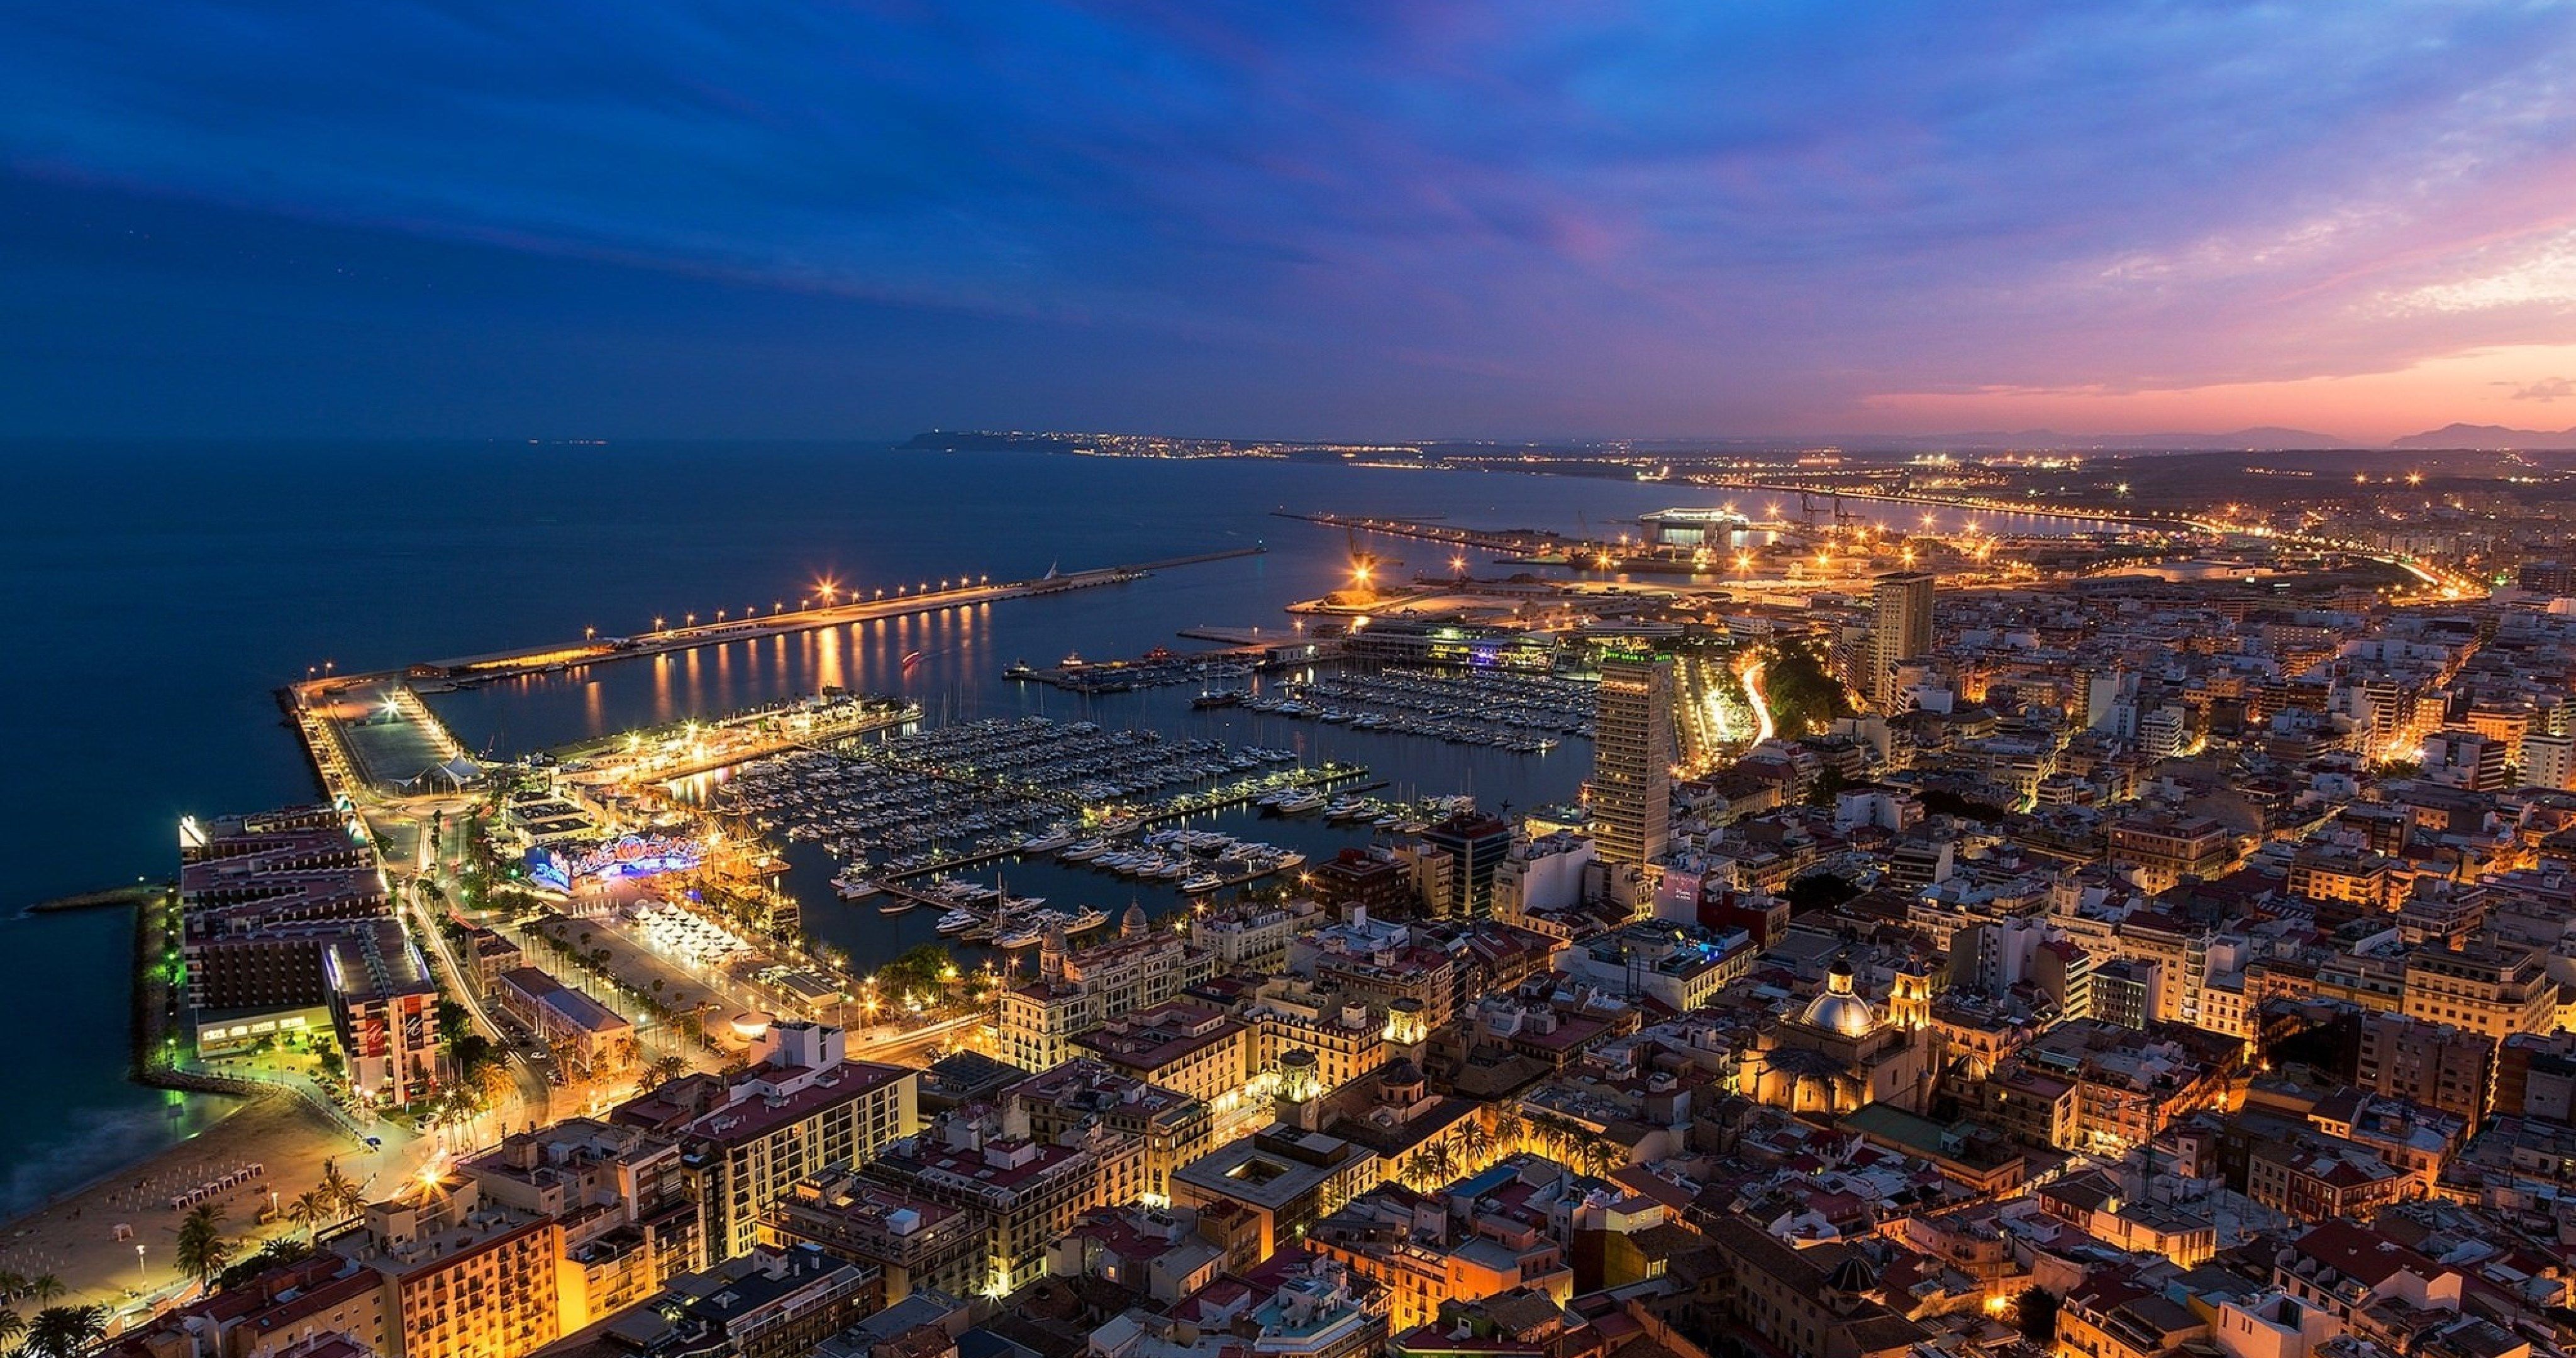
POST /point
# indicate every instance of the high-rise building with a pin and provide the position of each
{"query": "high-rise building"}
(1632, 758)
(1475, 844)
(1900, 629)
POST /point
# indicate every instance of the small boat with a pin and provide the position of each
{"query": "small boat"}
(957, 922)
(1300, 802)
(1201, 882)
(1224, 697)
(896, 905)
(1087, 850)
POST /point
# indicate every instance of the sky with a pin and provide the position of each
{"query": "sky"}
(1379, 219)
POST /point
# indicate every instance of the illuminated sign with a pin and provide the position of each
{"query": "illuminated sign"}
(625, 856)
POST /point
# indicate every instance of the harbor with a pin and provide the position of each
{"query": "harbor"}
(924, 801)
(1522, 713)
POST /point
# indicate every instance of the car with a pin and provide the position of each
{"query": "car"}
(375, 1143)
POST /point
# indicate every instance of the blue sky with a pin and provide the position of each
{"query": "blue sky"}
(1366, 220)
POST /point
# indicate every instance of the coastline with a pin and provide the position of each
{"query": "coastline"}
(101, 899)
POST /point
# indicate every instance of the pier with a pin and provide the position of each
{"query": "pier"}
(505, 664)
(1517, 541)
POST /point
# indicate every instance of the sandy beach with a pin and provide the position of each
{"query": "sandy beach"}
(77, 1239)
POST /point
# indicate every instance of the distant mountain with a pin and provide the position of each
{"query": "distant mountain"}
(2488, 436)
(2266, 438)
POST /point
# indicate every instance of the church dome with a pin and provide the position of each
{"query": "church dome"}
(1840, 1009)
(1133, 926)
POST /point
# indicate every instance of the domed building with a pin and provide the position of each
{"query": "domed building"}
(1840, 1052)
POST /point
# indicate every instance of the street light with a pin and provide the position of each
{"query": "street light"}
(139, 1271)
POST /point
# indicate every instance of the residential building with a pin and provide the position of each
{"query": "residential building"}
(1632, 758)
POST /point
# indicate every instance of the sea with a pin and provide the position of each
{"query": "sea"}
(156, 596)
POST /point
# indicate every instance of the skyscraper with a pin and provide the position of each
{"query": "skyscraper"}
(1632, 758)
(1900, 629)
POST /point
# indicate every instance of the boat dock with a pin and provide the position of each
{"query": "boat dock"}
(1157, 668)
(1243, 794)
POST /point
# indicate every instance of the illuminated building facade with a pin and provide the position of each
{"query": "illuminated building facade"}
(1631, 790)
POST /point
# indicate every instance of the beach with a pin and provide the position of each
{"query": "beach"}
(87, 1238)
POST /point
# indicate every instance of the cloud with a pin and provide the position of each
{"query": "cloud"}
(2546, 389)
(1655, 213)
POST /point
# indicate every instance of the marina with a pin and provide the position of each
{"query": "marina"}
(929, 800)
(1521, 713)
(1157, 668)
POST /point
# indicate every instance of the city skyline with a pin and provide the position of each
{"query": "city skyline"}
(1435, 221)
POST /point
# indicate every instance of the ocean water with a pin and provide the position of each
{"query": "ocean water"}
(155, 596)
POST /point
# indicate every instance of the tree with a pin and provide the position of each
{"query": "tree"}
(664, 1069)
(203, 1250)
(1801, 694)
(455, 1023)
(310, 1209)
(65, 1332)
(13, 1327)
(42, 1287)
(1476, 1144)
(283, 1250)
(338, 1190)
(2038, 1308)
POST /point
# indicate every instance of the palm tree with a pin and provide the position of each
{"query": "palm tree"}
(13, 1326)
(203, 1251)
(65, 1332)
(339, 1191)
(1603, 1156)
(1508, 1127)
(1476, 1144)
(42, 1287)
(11, 1284)
(664, 1069)
(310, 1209)
(1444, 1161)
